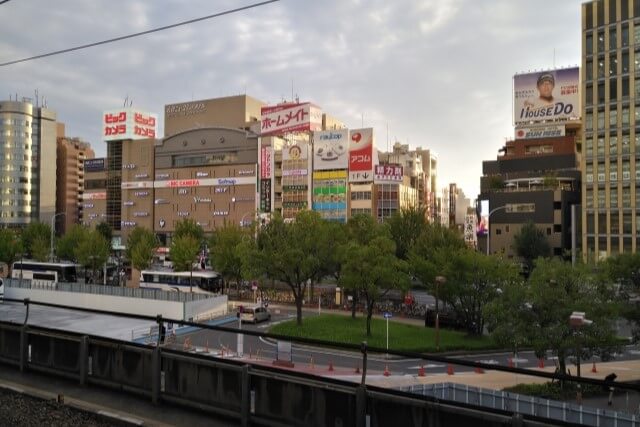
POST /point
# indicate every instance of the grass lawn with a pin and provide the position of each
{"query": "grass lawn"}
(403, 337)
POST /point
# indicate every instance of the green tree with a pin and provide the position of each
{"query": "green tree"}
(184, 250)
(106, 231)
(228, 248)
(290, 253)
(472, 281)
(93, 251)
(406, 227)
(624, 271)
(531, 243)
(537, 313)
(10, 246)
(188, 227)
(141, 246)
(36, 239)
(67, 244)
(372, 269)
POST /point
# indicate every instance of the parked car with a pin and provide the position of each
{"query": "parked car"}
(254, 314)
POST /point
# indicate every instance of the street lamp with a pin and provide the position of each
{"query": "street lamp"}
(53, 230)
(577, 320)
(439, 281)
(489, 225)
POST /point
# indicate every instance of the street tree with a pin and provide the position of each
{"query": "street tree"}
(472, 281)
(188, 226)
(624, 272)
(373, 270)
(106, 231)
(184, 250)
(93, 251)
(531, 243)
(67, 244)
(405, 227)
(141, 246)
(228, 247)
(10, 246)
(537, 313)
(35, 240)
(290, 253)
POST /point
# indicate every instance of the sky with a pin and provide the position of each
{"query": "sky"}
(431, 74)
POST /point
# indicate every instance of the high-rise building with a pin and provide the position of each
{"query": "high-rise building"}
(72, 154)
(610, 83)
(27, 163)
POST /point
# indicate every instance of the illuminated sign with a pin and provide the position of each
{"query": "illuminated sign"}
(386, 173)
(286, 118)
(128, 124)
(102, 195)
(128, 203)
(220, 213)
(140, 214)
(202, 199)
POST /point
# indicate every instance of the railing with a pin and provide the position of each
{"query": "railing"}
(154, 294)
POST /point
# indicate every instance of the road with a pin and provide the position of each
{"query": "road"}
(305, 355)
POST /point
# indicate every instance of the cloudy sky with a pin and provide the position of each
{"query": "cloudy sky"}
(435, 73)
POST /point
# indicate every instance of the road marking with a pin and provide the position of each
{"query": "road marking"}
(488, 362)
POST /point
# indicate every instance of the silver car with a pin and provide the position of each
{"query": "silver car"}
(255, 314)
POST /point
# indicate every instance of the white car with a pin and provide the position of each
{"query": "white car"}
(255, 314)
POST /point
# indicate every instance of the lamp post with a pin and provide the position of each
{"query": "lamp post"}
(53, 230)
(439, 281)
(491, 212)
(577, 320)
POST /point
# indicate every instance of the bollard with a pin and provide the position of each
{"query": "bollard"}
(593, 368)
(311, 363)
(330, 366)
(357, 369)
(386, 372)
(479, 370)
(541, 363)
(450, 370)
(511, 362)
(421, 371)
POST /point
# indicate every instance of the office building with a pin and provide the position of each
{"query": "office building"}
(72, 153)
(611, 86)
(28, 181)
(94, 197)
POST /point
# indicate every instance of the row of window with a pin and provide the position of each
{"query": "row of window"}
(615, 13)
(614, 223)
(598, 91)
(361, 195)
(15, 122)
(613, 198)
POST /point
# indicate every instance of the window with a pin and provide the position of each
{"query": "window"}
(601, 67)
(588, 121)
(613, 145)
(626, 175)
(625, 116)
(613, 118)
(589, 44)
(600, 41)
(589, 199)
(636, 32)
(613, 42)
(638, 197)
(614, 223)
(625, 87)
(589, 95)
(626, 223)
(625, 62)
(626, 197)
(625, 143)
(557, 228)
(601, 199)
(600, 119)
(613, 63)
(588, 146)
(601, 92)
(589, 70)
(624, 35)
(613, 171)
(613, 198)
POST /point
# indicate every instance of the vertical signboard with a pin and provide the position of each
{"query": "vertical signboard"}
(361, 155)
(265, 195)
(266, 162)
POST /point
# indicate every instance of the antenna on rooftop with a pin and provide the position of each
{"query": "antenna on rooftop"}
(126, 100)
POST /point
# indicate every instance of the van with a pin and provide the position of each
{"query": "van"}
(255, 314)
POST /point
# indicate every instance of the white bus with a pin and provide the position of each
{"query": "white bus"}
(49, 272)
(202, 281)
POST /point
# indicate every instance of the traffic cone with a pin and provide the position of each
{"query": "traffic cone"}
(386, 372)
(358, 368)
(479, 370)
(511, 362)
(421, 371)
(593, 368)
(449, 369)
(330, 366)
(541, 363)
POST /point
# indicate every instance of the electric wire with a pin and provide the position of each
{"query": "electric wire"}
(142, 33)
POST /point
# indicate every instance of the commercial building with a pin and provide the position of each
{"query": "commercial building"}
(71, 155)
(27, 163)
(94, 198)
(611, 109)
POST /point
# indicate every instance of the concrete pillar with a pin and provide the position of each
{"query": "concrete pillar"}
(245, 403)
(155, 376)
(23, 348)
(83, 359)
(361, 406)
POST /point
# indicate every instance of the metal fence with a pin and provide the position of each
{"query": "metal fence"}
(154, 294)
(526, 405)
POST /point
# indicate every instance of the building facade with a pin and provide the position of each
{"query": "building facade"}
(28, 182)
(94, 197)
(611, 109)
(71, 156)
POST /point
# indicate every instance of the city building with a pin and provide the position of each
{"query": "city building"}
(611, 86)
(71, 155)
(455, 206)
(28, 183)
(94, 198)
(537, 180)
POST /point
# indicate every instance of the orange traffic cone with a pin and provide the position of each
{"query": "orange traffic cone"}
(479, 370)
(358, 368)
(511, 362)
(541, 363)
(593, 368)
(421, 371)
(330, 366)
(449, 370)
(386, 372)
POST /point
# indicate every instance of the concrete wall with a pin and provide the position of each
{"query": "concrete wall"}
(139, 306)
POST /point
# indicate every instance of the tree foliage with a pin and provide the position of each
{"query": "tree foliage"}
(66, 247)
(93, 251)
(188, 227)
(106, 231)
(291, 253)
(537, 313)
(141, 246)
(405, 227)
(624, 271)
(184, 250)
(370, 266)
(35, 240)
(229, 247)
(531, 243)
(10, 246)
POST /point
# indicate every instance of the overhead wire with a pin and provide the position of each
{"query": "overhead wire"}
(142, 33)
(4, 1)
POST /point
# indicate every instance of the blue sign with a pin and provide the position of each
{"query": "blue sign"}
(387, 315)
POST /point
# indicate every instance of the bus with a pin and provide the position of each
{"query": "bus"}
(49, 272)
(202, 281)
